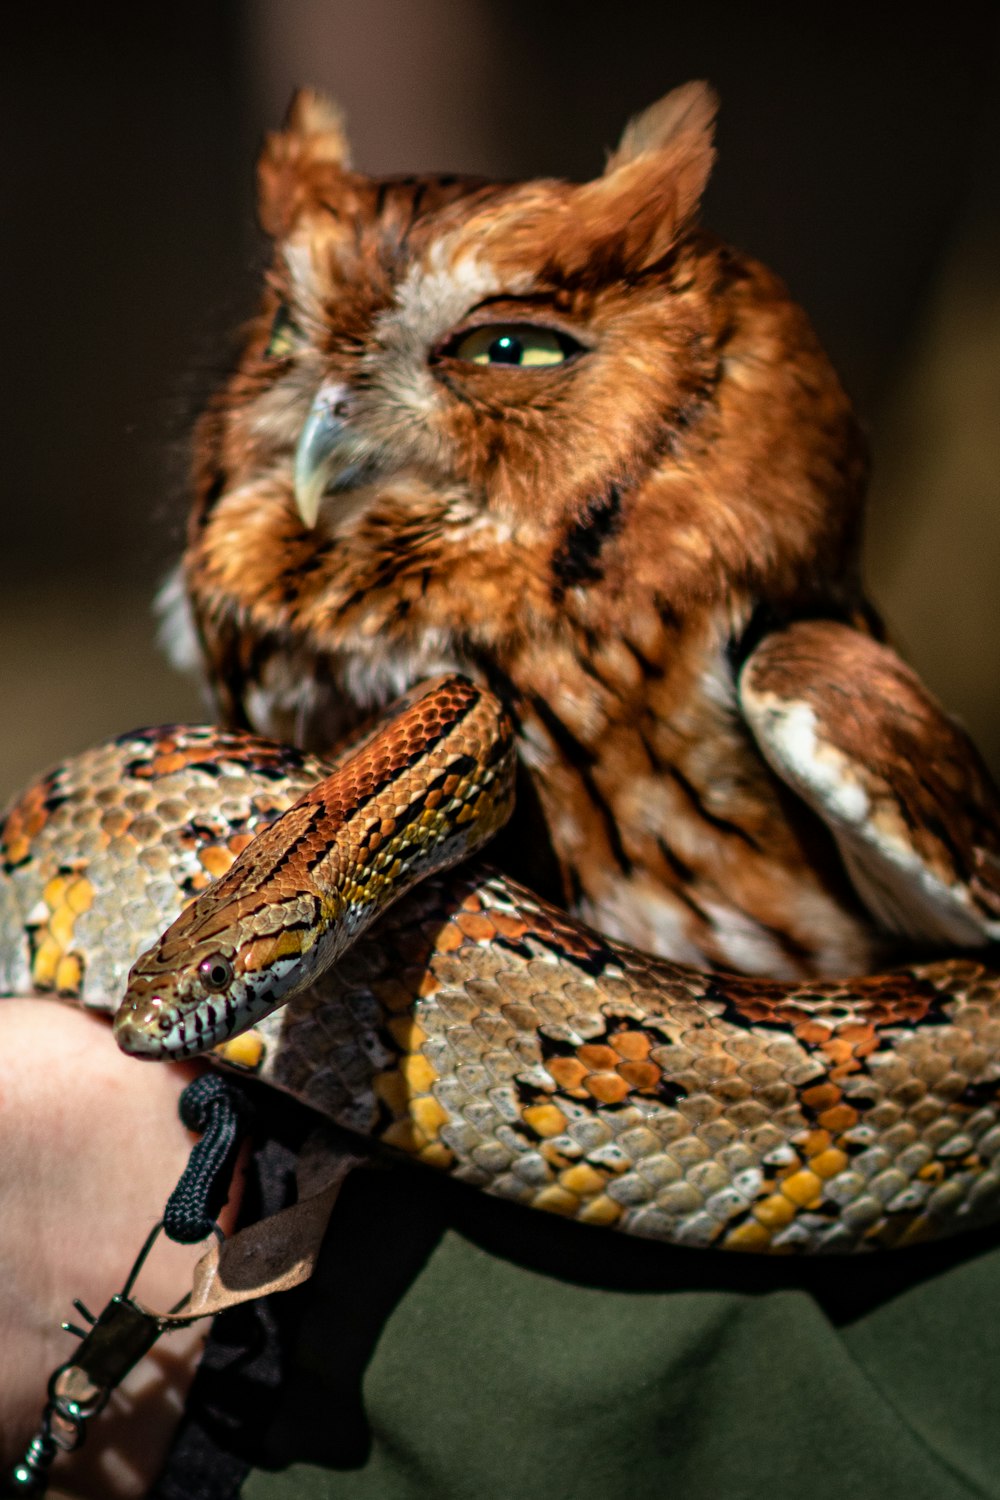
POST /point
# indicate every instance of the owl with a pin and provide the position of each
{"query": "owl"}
(561, 438)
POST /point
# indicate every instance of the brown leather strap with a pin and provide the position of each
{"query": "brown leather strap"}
(272, 1255)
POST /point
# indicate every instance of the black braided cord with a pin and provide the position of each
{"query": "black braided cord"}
(221, 1111)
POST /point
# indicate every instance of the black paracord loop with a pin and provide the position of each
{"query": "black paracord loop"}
(221, 1112)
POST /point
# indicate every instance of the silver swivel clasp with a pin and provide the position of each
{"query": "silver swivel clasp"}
(113, 1343)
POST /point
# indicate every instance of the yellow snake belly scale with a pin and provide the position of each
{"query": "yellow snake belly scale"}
(472, 1026)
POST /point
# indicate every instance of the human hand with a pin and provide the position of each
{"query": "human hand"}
(92, 1147)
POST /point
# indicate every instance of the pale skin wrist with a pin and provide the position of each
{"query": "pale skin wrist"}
(92, 1146)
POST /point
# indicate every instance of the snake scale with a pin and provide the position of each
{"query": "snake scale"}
(475, 1027)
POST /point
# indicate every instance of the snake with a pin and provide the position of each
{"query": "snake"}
(332, 928)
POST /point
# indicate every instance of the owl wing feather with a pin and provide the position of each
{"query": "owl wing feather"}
(914, 811)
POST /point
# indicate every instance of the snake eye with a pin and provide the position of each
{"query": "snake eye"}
(216, 972)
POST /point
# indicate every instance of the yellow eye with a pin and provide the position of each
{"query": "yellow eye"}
(284, 336)
(520, 344)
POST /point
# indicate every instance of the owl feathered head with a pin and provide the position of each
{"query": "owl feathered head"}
(472, 414)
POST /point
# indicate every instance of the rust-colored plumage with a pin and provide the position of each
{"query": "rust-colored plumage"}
(606, 521)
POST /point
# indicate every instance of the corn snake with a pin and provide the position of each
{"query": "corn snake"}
(475, 1027)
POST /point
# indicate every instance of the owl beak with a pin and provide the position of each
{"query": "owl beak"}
(315, 450)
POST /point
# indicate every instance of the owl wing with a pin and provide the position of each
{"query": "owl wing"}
(914, 811)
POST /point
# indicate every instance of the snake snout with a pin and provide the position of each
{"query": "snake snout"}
(140, 1024)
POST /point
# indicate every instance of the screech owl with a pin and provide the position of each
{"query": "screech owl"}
(560, 437)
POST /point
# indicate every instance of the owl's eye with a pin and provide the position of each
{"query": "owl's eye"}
(522, 344)
(284, 336)
(216, 972)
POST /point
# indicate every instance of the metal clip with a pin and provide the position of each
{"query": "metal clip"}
(78, 1390)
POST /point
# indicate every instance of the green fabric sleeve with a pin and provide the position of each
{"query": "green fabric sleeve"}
(454, 1348)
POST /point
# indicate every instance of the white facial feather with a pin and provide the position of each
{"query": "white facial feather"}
(434, 297)
(437, 294)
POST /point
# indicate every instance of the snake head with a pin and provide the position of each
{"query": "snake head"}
(173, 1010)
(221, 966)
(168, 1012)
(187, 1010)
(426, 790)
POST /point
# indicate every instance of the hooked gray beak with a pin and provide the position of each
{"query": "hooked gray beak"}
(317, 444)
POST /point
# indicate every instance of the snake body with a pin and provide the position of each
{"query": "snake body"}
(475, 1027)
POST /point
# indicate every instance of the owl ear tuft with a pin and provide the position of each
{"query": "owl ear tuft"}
(320, 123)
(651, 186)
(692, 107)
(313, 137)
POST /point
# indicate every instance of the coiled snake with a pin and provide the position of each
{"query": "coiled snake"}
(474, 1026)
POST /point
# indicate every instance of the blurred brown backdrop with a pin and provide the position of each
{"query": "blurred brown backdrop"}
(858, 155)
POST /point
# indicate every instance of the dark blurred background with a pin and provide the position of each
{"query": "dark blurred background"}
(858, 154)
